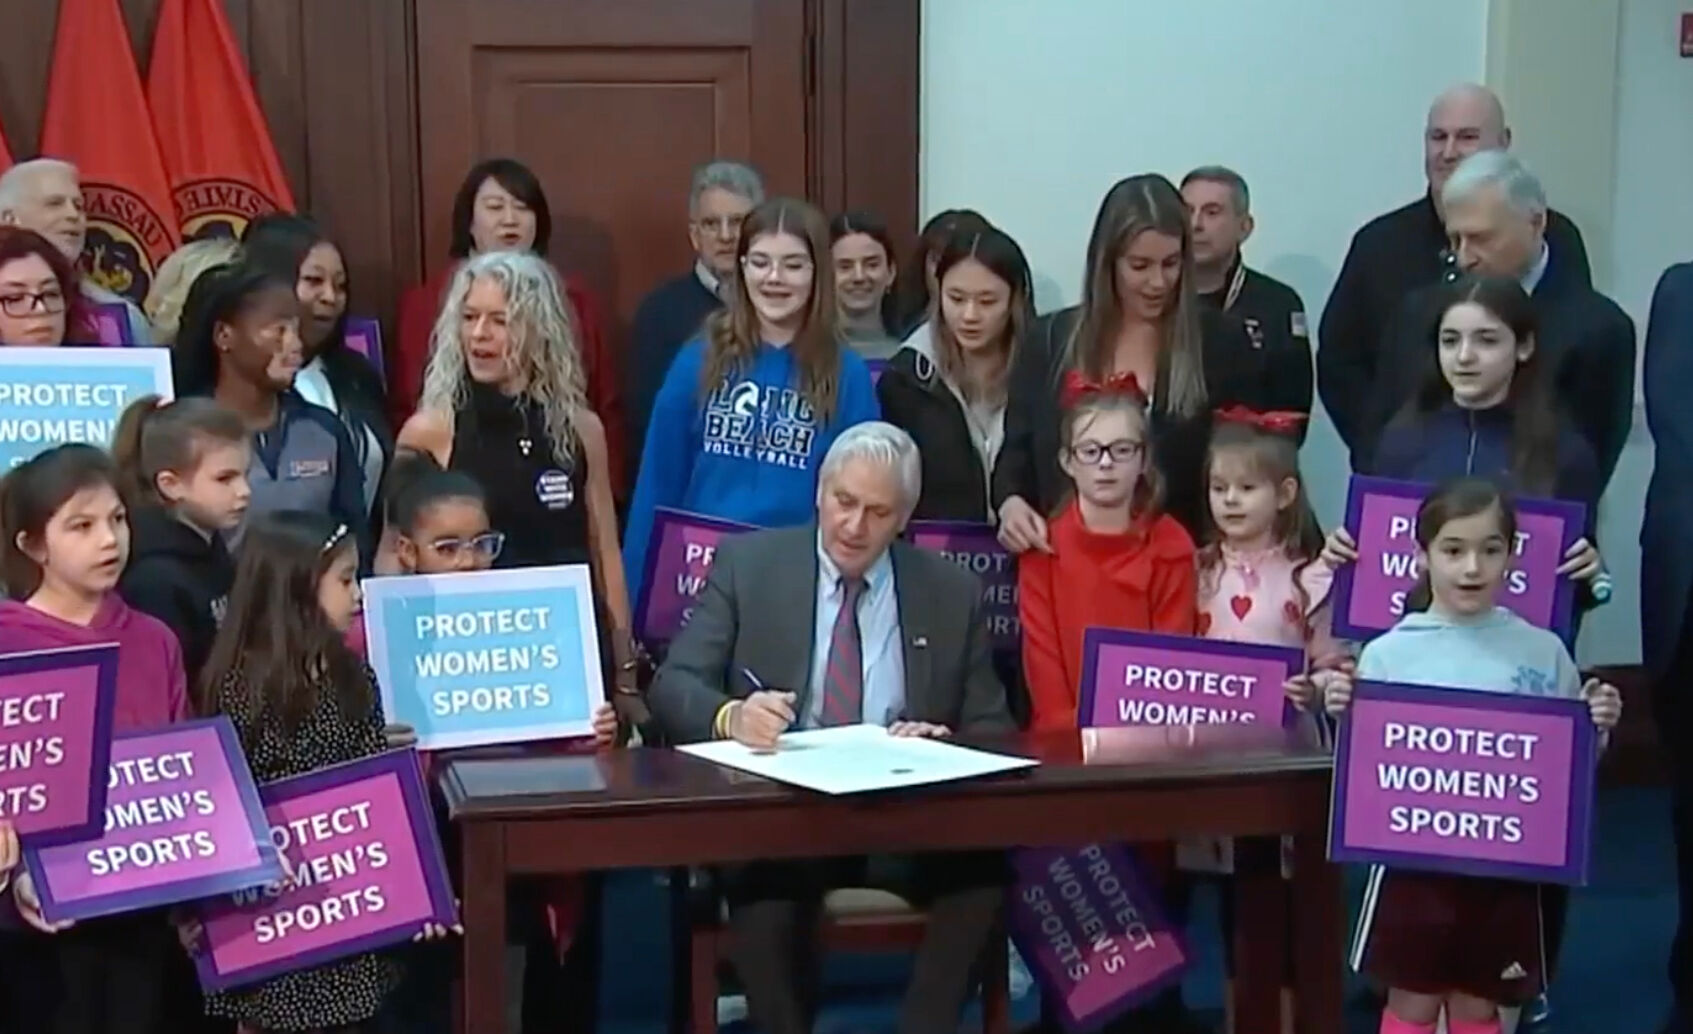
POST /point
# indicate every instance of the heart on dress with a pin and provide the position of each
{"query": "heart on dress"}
(1241, 605)
(1204, 622)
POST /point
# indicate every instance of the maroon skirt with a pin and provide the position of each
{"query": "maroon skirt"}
(1432, 933)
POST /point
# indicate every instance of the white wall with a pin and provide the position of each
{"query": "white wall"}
(1033, 108)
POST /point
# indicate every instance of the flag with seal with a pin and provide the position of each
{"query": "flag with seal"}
(217, 149)
(97, 119)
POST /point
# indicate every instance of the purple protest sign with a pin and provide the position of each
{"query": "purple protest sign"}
(55, 741)
(1091, 931)
(1143, 678)
(975, 547)
(368, 873)
(679, 556)
(111, 325)
(1369, 596)
(364, 336)
(183, 821)
(1454, 780)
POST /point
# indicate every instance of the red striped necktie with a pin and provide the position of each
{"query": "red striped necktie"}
(843, 676)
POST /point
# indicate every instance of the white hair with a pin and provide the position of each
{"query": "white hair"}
(743, 181)
(879, 442)
(1520, 188)
(16, 182)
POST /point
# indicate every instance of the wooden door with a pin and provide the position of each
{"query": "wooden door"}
(612, 103)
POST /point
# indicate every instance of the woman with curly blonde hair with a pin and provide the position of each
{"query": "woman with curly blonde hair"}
(503, 401)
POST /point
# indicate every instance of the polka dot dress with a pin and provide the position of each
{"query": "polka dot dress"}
(347, 991)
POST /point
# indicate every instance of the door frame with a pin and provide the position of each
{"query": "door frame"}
(865, 120)
(863, 113)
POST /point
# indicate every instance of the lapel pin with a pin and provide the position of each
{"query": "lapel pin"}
(920, 642)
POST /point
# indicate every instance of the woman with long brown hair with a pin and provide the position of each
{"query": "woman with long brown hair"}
(1139, 317)
(749, 409)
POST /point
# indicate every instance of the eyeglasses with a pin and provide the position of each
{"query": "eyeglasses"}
(1120, 451)
(761, 266)
(486, 545)
(51, 302)
(725, 226)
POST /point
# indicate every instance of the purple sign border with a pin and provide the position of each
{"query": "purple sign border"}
(1573, 515)
(404, 765)
(663, 518)
(1095, 638)
(370, 328)
(1583, 779)
(268, 869)
(1150, 906)
(104, 657)
(914, 528)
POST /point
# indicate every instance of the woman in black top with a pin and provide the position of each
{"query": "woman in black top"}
(914, 287)
(504, 402)
(947, 386)
(1138, 316)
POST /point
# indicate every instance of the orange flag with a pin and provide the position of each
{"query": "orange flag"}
(97, 118)
(223, 169)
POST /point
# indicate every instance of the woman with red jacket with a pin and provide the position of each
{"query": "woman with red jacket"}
(500, 207)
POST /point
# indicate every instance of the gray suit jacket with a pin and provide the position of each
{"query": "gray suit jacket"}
(757, 612)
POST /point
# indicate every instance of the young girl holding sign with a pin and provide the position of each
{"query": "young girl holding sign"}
(1486, 409)
(301, 700)
(440, 525)
(1116, 560)
(182, 467)
(1465, 944)
(64, 544)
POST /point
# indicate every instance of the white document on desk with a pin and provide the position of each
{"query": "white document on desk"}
(858, 759)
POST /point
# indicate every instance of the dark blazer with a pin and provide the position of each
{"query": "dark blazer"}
(1586, 342)
(916, 399)
(1666, 568)
(1274, 316)
(1391, 256)
(1236, 373)
(757, 612)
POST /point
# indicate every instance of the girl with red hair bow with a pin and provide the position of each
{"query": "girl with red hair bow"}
(1116, 561)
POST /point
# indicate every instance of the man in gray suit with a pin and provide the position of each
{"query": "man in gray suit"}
(1666, 586)
(837, 623)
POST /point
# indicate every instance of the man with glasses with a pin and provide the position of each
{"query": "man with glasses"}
(45, 195)
(721, 196)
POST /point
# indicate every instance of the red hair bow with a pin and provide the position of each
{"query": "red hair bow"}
(1280, 421)
(1078, 384)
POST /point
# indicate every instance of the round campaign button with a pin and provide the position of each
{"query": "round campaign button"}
(555, 489)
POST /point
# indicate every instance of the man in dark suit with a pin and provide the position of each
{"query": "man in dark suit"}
(1497, 216)
(1666, 586)
(719, 198)
(837, 623)
(1274, 314)
(1406, 249)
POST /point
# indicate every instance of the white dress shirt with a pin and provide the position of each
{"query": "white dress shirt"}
(878, 634)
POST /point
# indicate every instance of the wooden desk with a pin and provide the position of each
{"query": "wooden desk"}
(658, 808)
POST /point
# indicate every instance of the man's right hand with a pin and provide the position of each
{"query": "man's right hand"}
(760, 718)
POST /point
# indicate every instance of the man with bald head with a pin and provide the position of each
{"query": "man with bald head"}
(45, 195)
(1408, 248)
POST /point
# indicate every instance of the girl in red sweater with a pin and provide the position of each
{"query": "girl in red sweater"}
(1116, 560)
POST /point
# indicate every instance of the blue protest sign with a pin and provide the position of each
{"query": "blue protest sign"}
(487, 656)
(53, 396)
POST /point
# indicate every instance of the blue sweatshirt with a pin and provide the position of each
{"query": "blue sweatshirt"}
(750, 453)
(1454, 442)
(1495, 652)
